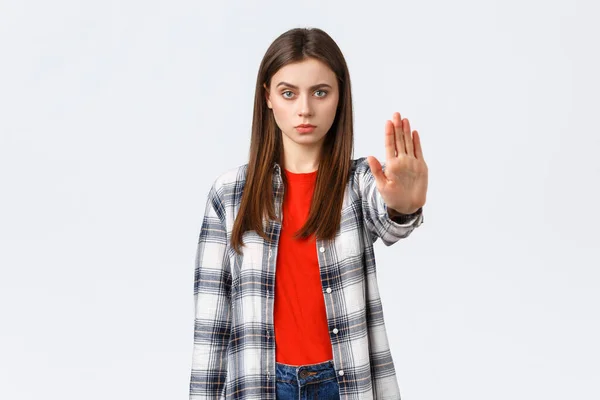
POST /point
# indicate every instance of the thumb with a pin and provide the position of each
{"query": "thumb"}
(376, 169)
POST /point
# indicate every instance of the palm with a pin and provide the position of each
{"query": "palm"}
(403, 185)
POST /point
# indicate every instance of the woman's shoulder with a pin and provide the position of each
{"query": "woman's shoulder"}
(227, 186)
(359, 164)
(360, 169)
(232, 176)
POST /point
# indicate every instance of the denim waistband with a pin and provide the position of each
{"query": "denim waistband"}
(304, 374)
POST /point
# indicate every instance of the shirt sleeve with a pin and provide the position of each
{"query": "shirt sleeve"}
(375, 213)
(212, 305)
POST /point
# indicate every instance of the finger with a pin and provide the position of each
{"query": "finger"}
(418, 148)
(390, 145)
(376, 170)
(399, 134)
(407, 138)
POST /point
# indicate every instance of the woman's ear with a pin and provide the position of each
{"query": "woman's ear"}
(267, 96)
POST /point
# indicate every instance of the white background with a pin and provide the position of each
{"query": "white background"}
(116, 117)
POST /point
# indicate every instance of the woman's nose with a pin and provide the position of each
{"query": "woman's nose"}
(305, 107)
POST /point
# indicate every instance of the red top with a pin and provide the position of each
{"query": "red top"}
(301, 331)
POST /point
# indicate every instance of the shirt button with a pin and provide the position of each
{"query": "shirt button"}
(328, 290)
(341, 372)
(335, 330)
(322, 249)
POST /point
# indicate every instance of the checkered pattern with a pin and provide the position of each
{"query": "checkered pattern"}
(234, 347)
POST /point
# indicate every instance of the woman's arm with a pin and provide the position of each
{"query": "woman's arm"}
(212, 305)
(376, 214)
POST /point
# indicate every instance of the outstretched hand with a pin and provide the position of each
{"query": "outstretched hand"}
(403, 185)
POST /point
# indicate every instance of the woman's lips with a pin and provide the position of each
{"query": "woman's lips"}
(305, 128)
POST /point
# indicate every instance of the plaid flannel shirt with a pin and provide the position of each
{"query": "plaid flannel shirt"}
(234, 347)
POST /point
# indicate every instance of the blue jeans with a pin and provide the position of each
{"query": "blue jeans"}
(307, 382)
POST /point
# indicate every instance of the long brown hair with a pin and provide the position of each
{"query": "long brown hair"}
(266, 145)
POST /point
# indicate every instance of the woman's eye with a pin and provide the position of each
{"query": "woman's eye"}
(288, 94)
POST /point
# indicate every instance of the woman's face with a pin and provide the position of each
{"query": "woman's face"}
(304, 92)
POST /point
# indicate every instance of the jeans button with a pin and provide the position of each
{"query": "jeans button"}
(303, 374)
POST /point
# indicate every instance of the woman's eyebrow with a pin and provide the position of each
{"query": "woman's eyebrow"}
(296, 87)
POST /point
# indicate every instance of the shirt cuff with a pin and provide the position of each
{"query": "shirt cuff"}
(405, 219)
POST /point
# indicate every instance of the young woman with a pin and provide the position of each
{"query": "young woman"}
(286, 298)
